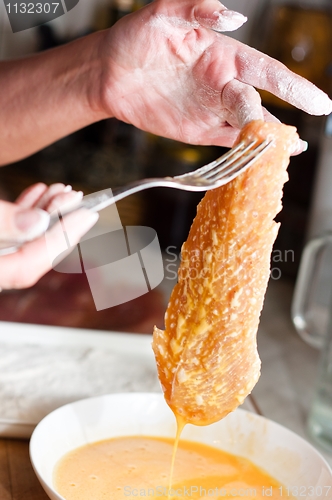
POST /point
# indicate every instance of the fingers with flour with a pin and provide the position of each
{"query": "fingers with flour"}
(187, 14)
(243, 102)
(215, 16)
(261, 71)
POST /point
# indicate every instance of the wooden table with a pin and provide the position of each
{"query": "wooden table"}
(17, 478)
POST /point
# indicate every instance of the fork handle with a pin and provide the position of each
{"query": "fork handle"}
(99, 201)
(96, 202)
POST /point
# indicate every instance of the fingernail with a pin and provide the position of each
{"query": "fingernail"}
(301, 147)
(305, 145)
(32, 223)
(229, 20)
(68, 188)
(233, 20)
(76, 195)
(322, 104)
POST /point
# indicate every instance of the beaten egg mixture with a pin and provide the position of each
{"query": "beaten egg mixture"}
(138, 467)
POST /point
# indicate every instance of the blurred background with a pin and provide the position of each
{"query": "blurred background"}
(111, 153)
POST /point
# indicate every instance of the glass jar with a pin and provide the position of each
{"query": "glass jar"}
(314, 324)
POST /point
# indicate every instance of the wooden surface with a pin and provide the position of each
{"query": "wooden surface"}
(17, 478)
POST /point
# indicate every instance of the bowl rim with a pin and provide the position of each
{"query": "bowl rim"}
(159, 397)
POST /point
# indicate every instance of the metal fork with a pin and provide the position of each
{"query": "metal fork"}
(210, 176)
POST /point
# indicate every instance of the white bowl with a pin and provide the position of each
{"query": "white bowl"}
(283, 454)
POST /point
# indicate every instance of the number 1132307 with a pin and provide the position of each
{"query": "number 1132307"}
(313, 492)
(32, 8)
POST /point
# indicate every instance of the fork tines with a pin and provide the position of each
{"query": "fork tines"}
(237, 159)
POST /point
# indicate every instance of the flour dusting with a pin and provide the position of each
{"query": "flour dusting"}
(34, 379)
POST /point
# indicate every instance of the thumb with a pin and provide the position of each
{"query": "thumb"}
(213, 15)
(18, 224)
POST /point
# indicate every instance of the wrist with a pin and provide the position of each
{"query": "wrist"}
(88, 75)
(115, 76)
(92, 75)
